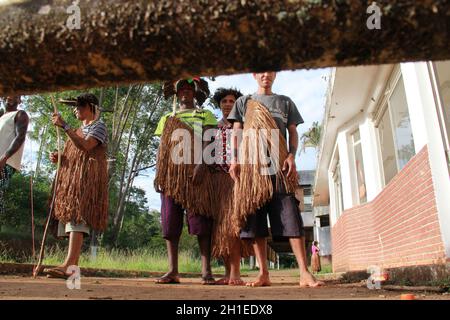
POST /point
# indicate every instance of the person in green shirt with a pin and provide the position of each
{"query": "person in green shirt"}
(172, 213)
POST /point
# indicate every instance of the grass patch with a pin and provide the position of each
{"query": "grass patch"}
(137, 260)
(144, 259)
(327, 268)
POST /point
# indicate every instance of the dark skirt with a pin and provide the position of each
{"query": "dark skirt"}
(315, 263)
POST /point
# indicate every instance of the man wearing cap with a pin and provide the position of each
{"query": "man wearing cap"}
(13, 131)
(172, 213)
(81, 190)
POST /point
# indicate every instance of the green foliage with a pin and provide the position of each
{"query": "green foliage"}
(17, 215)
(311, 138)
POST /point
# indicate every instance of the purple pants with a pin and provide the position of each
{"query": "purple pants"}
(172, 220)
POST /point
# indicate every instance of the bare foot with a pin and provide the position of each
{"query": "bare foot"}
(307, 280)
(263, 281)
(223, 281)
(236, 282)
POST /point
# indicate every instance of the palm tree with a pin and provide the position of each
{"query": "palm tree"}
(311, 138)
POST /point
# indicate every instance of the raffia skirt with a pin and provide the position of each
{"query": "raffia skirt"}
(226, 228)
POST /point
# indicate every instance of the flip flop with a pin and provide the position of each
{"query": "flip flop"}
(208, 281)
(168, 280)
(56, 273)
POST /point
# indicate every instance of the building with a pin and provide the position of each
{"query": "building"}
(383, 166)
(316, 220)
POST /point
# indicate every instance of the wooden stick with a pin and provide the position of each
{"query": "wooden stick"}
(32, 217)
(44, 237)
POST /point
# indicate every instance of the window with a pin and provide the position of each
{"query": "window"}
(395, 133)
(442, 84)
(358, 166)
(308, 199)
(338, 197)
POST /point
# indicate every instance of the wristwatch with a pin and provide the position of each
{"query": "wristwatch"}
(66, 127)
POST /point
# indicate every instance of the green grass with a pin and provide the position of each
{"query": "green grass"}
(327, 268)
(130, 260)
(137, 260)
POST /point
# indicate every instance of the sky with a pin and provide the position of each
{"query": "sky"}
(306, 88)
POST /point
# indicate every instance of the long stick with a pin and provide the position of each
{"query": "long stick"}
(44, 237)
(32, 217)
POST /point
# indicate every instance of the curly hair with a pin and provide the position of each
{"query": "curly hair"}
(222, 93)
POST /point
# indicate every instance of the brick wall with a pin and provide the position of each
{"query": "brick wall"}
(399, 227)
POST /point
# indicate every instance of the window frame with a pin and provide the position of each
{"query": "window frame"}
(355, 171)
(444, 124)
(338, 196)
(383, 107)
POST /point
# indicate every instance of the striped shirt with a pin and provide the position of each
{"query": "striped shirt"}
(97, 130)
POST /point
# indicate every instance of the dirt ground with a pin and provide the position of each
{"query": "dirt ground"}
(284, 287)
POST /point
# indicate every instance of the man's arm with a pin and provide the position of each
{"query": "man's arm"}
(82, 143)
(289, 163)
(293, 139)
(21, 126)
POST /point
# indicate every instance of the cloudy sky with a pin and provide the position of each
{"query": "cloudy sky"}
(305, 87)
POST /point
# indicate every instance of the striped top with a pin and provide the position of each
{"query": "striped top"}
(223, 141)
(97, 130)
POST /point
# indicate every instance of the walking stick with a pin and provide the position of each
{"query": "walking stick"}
(44, 237)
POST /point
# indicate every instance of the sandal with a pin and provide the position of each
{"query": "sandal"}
(56, 273)
(208, 280)
(167, 279)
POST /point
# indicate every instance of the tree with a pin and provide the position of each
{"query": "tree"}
(133, 144)
(311, 138)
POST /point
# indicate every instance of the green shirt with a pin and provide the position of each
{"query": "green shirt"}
(196, 119)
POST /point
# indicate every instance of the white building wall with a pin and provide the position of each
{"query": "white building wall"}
(424, 122)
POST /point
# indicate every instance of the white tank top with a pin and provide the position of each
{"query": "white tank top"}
(7, 135)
